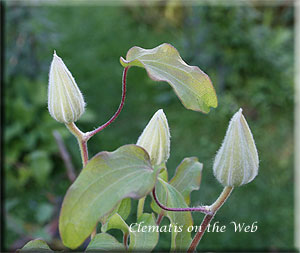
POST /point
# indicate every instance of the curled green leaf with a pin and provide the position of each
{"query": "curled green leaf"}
(163, 63)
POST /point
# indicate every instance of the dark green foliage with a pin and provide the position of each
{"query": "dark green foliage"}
(246, 51)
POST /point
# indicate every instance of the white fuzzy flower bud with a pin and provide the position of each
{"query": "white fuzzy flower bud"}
(155, 138)
(65, 101)
(236, 162)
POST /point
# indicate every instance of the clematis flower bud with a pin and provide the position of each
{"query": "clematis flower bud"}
(155, 138)
(65, 101)
(236, 162)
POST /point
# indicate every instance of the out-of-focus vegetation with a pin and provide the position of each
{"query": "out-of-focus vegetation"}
(246, 50)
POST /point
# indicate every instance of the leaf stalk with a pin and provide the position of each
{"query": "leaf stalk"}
(202, 209)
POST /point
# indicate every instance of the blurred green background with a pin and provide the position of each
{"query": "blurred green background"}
(246, 50)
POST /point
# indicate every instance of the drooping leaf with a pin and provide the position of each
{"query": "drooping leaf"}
(37, 245)
(170, 197)
(108, 178)
(105, 242)
(187, 177)
(144, 240)
(163, 63)
(116, 222)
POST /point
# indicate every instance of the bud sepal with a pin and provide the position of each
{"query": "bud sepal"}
(65, 101)
(155, 138)
(236, 162)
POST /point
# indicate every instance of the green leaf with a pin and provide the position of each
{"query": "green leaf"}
(144, 240)
(105, 242)
(104, 219)
(163, 63)
(115, 222)
(125, 208)
(187, 177)
(170, 197)
(108, 178)
(163, 174)
(37, 245)
(139, 240)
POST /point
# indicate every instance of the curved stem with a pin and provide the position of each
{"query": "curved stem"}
(208, 217)
(83, 138)
(100, 128)
(202, 209)
(82, 141)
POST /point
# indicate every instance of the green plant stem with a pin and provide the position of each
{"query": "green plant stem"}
(82, 141)
(208, 217)
(140, 207)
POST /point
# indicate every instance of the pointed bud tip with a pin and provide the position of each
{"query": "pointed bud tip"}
(155, 138)
(238, 114)
(160, 114)
(56, 58)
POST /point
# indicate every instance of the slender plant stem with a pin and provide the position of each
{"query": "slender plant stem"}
(208, 217)
(140, 207)
(100, 128)
(125, 240)
(83, 138)
(82, 142)
(202, 209)
(159, 218)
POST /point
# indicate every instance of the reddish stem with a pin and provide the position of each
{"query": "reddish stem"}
(125, 240)
(159, 219)
(100, 128)
(85, 153)
(200, 233)
(187, 209)
(208, 217)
